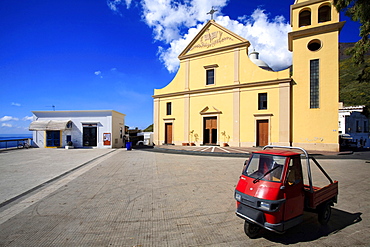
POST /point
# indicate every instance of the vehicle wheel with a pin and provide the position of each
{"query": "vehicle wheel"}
(324, 213)
(252, 230)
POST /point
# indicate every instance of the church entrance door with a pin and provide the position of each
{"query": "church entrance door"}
(210, 130)
(168, 133)
(262, 133)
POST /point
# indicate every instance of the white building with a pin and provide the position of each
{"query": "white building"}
(353, 127)
(94, 129)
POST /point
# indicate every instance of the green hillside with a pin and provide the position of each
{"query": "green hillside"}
(354, 83)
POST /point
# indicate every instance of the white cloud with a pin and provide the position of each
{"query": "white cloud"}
(175, 24)
(6, 125)
(8, 118)
(168, 18)
(98, 73)
(15, 104)
(267, 36)
(114, 5)
(27, 118)
(170, 55)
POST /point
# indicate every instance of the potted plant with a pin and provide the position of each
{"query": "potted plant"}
(226, 138)
(196, 138)
(191, 138)
(69, 145)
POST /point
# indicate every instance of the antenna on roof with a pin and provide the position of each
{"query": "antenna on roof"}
(52, 106)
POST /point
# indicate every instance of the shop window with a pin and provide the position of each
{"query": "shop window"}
(324, 13)
(168, 108)
(53, 138)
(262, 101)
(305, 18)
(314, 84)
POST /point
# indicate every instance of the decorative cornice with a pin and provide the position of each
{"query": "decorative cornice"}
(313, 31)
(210, 66)
(263, 115)
(206, 112)
(223, 88)
(220, 49)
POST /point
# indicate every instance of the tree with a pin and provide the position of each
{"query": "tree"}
(357, 10)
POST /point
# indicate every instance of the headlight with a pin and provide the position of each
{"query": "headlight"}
(238, 197)
(265, 205)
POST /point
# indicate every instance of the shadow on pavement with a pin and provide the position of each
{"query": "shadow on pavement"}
(310, 229)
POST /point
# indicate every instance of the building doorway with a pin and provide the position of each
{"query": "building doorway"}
(168, 133)
(210, 130)
(262, 133)
(90, 135)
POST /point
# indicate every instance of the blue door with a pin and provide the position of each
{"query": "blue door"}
(53, 138)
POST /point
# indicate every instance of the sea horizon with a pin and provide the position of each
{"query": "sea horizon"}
(14, 136)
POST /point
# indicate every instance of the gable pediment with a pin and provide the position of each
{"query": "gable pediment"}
(210, 110)
(211, 38)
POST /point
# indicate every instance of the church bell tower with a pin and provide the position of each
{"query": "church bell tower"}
(315, 73)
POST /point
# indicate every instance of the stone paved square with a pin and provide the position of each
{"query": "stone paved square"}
(140, 198)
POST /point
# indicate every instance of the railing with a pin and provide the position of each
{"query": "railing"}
(16, 143)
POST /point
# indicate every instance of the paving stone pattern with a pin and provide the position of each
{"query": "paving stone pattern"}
(138, 198)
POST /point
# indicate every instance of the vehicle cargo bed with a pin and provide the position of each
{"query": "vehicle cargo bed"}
(320, 195)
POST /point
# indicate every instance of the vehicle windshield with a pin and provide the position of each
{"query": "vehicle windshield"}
(265, 167)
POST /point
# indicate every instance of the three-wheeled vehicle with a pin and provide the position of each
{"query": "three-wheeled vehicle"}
(271, 193)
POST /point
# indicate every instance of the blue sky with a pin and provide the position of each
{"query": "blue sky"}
(111, 55)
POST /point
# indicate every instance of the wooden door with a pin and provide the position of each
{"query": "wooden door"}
(262, 133)
(210, 130)
(168, 133)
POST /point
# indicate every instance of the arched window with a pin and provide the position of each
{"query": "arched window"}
(324, 13)
(305, 18)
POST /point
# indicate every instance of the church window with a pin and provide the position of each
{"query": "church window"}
(305, 18)
(210, 76)
(314, 45)
(324, 13)
(262, 101)
(168, 108)
(314, 84)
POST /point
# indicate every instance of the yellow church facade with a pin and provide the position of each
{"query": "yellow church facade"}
(223, 95)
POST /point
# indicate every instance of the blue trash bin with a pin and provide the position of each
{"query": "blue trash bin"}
(129, 145)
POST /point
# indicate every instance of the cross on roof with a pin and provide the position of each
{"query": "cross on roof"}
(211, 12)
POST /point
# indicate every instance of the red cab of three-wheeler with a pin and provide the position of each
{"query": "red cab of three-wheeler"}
(270, 193)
